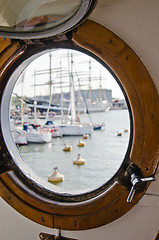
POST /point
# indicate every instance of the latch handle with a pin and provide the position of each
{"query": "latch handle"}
(138, 185)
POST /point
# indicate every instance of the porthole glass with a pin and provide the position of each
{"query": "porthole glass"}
(27, 19)
(66, 97)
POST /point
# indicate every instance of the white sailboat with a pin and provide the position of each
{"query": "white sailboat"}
(37, 135)
(34, 132)
(18, 134)
(71, 127)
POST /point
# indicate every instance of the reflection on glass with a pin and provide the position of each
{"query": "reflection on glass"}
(36, 15)
(72, 98)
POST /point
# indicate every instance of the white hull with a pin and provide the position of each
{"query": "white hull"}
(75, 130)
(95, 109)
(19, 137)
(57, 133)
(38, 137)
(116, 108)
(21, 140)
(91, 108)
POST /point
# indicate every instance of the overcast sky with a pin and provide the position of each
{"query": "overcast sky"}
(59, 60)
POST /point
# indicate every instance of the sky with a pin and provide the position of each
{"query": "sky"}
(83, 66)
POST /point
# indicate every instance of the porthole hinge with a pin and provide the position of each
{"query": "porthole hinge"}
(54, 39)
(46, 236)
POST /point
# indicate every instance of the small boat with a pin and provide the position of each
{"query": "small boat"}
(67, 148)
(98, 126)
(81, 144)
(79, 160)
(56, 176)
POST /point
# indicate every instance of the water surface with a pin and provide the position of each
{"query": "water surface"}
(104, 152)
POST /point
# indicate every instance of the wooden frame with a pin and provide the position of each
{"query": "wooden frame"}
(144, 103)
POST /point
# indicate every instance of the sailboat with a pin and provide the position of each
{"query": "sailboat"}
(71, 126)
(19, 135)
(34, 132)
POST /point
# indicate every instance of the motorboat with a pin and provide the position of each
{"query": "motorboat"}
(98, 126)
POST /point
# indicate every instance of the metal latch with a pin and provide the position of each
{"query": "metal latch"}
(46, 236)
(138, 185)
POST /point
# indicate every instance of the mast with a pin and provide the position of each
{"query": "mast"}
(50, 77)
(100, 85)
(90, 97)
(22, 109)
(72, 95)
(35, 102)
(62, 114)
(49, 83)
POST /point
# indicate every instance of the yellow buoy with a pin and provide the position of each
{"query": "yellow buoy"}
(67, 148)
(85, 136)
(119, 134)
(81, 144)
(56, 176)
(125, 130)
(79, 160)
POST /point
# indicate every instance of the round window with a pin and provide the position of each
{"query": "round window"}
(67, 116)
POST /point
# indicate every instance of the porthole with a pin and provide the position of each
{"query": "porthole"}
(39, 19)
(32, 197)
(78, 111)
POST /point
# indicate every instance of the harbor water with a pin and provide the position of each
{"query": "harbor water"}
(103, 152)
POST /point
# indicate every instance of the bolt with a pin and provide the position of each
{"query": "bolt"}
(110, 41)
(75, 223)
